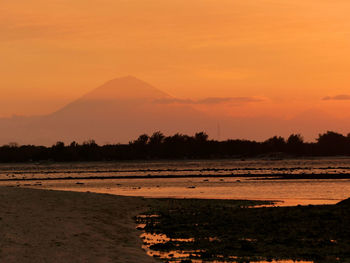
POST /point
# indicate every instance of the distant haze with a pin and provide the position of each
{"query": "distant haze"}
(262, 59)
(123, 108)
(117, 111)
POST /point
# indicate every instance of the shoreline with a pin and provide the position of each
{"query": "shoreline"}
(40, 225)
(265, 176)
(62, 226)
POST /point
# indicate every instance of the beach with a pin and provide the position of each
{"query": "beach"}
(39, 225)
(61, 226)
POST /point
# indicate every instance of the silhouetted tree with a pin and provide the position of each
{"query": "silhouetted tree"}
(295, 139)
(176, 146)
(58, 145)
(156, 138)
(275, 144)
(141, 140)
(295, 144)
(177, 138)
(13, 145)
(90, 143)
(58, 151)
(73, 144)
(201, 137)
(332, 143)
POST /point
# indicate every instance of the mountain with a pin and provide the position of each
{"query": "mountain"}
(118, 111)
(122, 109)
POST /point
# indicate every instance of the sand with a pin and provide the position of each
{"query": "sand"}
(57, 226)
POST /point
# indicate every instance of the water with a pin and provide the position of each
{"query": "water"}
(177, 168)
(220, 179)
(176, 256)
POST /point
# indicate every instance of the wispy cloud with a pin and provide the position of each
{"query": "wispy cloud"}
(26, 30)
(210, 100)
(337, 97)
(218, 100)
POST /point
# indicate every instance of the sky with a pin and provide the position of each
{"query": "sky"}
(284, 57)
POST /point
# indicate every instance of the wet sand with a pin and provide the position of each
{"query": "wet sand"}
(289, 192)
(57, 226)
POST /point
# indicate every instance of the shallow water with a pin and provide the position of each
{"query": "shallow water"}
(215, 181)
(177, 168)
(176, 256)
(69, 176)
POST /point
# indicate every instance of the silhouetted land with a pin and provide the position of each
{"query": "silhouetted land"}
(179, 146)
(225, 229)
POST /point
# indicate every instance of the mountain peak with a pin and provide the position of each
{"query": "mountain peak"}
(127, 87)
(125, 79)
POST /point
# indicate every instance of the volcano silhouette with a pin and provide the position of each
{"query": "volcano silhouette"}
(123, 108)
(118, 111)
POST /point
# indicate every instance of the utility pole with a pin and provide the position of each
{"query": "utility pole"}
(219, 132)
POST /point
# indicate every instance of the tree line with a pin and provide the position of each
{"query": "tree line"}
(179, 146)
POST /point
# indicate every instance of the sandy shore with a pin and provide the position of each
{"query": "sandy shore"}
(56, 226)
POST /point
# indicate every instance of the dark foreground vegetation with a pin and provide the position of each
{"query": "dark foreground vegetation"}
(179, 146)
(224, 230)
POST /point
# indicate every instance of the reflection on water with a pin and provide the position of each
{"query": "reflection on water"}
(176, 168)
(291, 192)
(153, 239)
(193, 256)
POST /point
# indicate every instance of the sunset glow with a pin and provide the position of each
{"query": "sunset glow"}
(172, 131)
(287, 58)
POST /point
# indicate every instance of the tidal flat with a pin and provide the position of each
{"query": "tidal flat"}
(194, 230)
(292, 181)
(56, 226)
(191, 211)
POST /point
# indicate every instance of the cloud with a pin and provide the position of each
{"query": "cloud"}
(219, 100)
(337, 97)
(209, 101)
(173, 101)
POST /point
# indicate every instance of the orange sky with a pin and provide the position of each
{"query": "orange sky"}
(288, 54)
